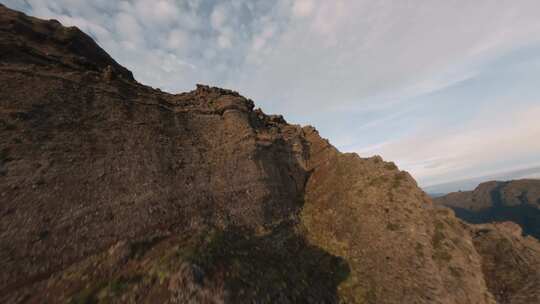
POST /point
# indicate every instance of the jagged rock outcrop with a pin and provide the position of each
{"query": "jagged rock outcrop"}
(112, 191)
(517, 201)
(510, 262)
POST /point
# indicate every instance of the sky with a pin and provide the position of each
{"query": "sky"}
(472, 182)
(447, 89)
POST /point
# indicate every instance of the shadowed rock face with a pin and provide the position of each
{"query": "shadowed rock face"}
(509, 262)
(112, 191)
(517, 201)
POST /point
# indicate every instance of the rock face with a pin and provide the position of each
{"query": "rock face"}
(510, 262)
(112, 191)
(517, 201)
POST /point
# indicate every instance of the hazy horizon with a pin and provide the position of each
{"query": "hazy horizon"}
(446, 89)
(471, 183)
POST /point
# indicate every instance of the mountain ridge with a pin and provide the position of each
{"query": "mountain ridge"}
(516, 200)
(116, 192)
(469, 184)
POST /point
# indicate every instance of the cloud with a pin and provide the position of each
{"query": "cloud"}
(177, 39)
(218, 17)
(303, 8)
(351, 50)
(362, 71)
(494, 137)
(224, 41)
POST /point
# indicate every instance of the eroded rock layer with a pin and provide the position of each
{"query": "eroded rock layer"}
(112, 191)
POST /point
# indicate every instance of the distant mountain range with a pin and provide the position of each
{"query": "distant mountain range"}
(470, 183)
(517, 201)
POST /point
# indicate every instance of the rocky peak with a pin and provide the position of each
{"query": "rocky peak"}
(29, 40)
(116, 192)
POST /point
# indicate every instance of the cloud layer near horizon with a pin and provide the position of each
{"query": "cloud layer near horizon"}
(444, 88)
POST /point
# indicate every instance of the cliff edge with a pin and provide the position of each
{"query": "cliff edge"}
(112, 191)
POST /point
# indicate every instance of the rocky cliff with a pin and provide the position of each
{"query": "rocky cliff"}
(517, 201)
(112, 191)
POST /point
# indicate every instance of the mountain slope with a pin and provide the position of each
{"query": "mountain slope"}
(115, 192)
(517, 201)
(510, 262)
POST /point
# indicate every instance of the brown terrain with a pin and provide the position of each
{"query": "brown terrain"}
(114, 192)
(517, 201)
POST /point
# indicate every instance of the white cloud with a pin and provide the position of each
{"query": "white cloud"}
(128, 28)
(260, 40)
(161, 12)
(218, 17)
(494, 136)
(323, 61)
(303, 8)
(224, 41)
(177, 39)
(351, 50)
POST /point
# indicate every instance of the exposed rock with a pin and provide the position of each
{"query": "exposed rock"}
(517, 201)
(116, 192)
(511, 263)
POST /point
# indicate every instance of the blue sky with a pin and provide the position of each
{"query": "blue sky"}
(448, 89)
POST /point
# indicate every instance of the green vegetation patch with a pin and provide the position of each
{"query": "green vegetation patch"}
(440, 253)
(390, 166)
(272, 266)
(104, 291)
(393, 226)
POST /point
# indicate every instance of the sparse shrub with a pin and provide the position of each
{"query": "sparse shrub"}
(393, 226)
(438, 235)
(398, 179)
(419, 248)
(138, 249)
(440, 252)
(390, 166)
(456, 272)
(442, 255)
(378, 181)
